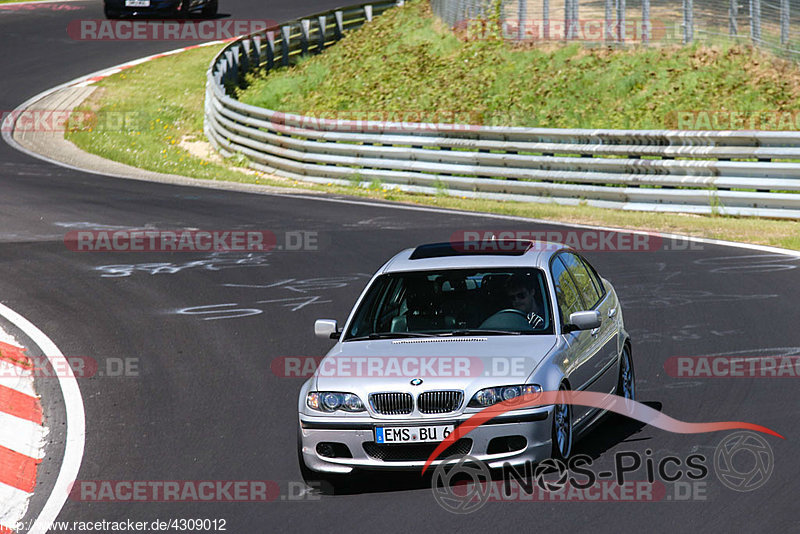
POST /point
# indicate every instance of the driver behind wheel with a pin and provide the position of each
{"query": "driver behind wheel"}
(521, 293)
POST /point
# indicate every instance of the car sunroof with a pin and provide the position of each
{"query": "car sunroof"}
(499, 247)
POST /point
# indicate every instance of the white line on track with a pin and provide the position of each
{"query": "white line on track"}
(76, 421)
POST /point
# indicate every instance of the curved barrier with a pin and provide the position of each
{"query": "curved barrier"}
(726, 172)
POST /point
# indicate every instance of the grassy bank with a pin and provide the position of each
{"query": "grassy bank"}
(165, 134)
(405, 61)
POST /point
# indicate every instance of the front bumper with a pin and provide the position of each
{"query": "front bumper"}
(534, 425)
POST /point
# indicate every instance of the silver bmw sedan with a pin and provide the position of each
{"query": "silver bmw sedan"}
(446, 330)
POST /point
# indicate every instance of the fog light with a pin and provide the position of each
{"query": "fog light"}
(326, 450)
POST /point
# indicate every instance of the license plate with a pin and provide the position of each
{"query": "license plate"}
(137, 3)
(412, 434)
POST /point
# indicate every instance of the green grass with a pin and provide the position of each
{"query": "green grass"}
(423, 67)
(161, 103)
(166, 97)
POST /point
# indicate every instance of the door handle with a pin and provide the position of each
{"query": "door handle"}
(612, 312)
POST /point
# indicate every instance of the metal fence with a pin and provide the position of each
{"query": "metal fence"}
(774, 24)
(727, 172)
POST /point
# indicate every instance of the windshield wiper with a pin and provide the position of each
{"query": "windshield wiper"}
(389, 335)
(477, 331)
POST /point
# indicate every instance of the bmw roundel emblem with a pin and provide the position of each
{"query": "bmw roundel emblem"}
(416, 382)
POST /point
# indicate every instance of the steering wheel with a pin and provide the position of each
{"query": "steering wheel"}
(508, 319)
(513, 310)
(535, 320)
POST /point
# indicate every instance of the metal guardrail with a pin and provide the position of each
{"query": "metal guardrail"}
(650, 170)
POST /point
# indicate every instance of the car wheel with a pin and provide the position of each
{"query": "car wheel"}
(562, 427)
(626, 385)
(326, 483)
(211, 8)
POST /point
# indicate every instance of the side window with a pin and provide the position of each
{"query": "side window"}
(598, 283)
(583, 279)
(567, 294)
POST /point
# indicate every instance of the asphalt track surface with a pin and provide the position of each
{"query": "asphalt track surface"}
(206, 405)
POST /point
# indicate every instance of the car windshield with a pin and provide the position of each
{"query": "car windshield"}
(454, 302)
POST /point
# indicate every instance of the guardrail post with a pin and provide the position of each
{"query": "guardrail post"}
(322, 22)
(305, 29)
(546, 20)
(368, 13)
(688, 21)
(256, 54)
(244, 61)
(646, 21)
(286, 36)
(755, 21)
(608, 32)
(733, 13)
(270, 50)
(339, 24)
(784, 21)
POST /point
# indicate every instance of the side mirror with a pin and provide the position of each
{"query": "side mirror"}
(583, 320)
(327, 329)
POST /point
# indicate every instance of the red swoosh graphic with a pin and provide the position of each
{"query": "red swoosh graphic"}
(604, 401)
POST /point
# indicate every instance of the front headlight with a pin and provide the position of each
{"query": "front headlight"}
(489, 396)
(330, 401)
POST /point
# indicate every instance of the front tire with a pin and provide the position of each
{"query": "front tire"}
(626, 383)
(562, 427)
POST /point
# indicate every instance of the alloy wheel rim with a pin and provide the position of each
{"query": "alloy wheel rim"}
(627, 376)
(563, 429)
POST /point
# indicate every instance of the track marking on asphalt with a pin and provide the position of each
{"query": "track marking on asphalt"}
(17, 378)
(22, 434)
(75, 421)
(20, 405)
(18, 470)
